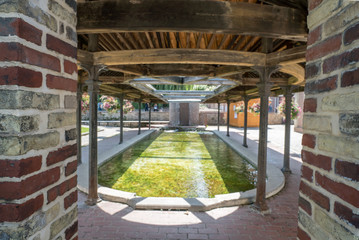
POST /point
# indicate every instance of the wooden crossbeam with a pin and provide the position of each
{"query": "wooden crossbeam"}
(286, 57)
(191, 16)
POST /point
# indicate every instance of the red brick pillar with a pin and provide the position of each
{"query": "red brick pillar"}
(329, 196)
(38, 80)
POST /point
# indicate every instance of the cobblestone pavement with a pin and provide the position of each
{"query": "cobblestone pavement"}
(110, 220)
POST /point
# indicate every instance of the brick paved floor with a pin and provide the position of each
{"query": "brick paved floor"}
(110, 220)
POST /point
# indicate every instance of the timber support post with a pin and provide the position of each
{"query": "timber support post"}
(149, 115)
(139, 116)
(78, 122)
(288, 109)
(228, 105)
(245, 124)
(121, 118)
(218, 115)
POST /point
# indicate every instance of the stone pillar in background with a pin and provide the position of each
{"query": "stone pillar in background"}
(38, 120)
(288, 120)
(246, 100)
(329, 189)
(121, 117)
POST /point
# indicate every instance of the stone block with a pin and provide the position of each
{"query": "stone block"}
(332, 227)
(341, 19)
(52, 213)
(64, 14)
(349, 124)
(322, 12)
(23, 99)
(340, 145)
(62, 119)
(312, 227)
(70, 102)
(10, 124)
(317, 123)
(61, 223)
(341, 102)
(30, 10)
(19, 145)
(70, 134)
(71, 34)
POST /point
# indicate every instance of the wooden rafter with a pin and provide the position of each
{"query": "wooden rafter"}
(192, 16)
(149, 39)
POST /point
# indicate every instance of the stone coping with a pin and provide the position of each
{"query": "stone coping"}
(275, 182)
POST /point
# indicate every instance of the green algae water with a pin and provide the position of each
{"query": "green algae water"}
(178, 164)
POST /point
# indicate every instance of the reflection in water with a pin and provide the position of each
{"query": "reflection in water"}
(178, 164)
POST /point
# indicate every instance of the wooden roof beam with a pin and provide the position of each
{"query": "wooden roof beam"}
(191, 16)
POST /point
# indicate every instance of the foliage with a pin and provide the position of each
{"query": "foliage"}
(240, 108)
(255, 108)
(295, 110)
(85, 103)
(108, 103)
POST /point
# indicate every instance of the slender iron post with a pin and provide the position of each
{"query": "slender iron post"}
(78, 122)
(218, 115)
(246, 99)
(121, 118)
(139, 116)
(228, 105)
(288, 119)
(264, 90)
(149, 116)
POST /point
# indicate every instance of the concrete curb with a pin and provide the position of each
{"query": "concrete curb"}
(275, 182)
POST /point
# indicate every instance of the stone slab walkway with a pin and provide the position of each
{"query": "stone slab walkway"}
(110, 220)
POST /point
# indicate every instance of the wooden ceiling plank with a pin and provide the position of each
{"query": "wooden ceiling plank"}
(112, 36)
(132, 40)
(211, 41)
(156, 39)
(225, 36)
(199, 38)
(233, 40)
(124, 41)
(149, 40)
(139, 39)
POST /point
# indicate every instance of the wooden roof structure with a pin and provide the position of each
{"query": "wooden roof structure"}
(183, 42)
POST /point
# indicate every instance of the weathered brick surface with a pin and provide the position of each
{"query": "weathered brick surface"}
(350, 78)
(23, 99)
(60, 46)
(320, 161)
(70, 199)
(61, 83)
(323, 85)
(346, 214)
(18, 212)
(347, 170)
(310, 105)
(71, 231)
(310, 226)
(314, 3)
(345, 192)
(18, 27)
(18, 168)
(61, 189)
(314, 35)
(341, 60)
(323, 48)
(351, 34)
(18, 52)
(307, 173)
(61, 119)
(302, 235)
(61, 154)
(317, 197)
(308, 140)
(20, 76)
(70, 168)
(312, 70)
(70, 67)
(305, 205)
(30, 185)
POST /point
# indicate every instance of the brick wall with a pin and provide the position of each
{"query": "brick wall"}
(329, 189)
(38, 76)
